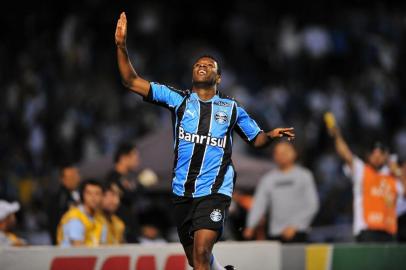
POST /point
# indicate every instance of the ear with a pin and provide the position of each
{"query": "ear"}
(218, 79)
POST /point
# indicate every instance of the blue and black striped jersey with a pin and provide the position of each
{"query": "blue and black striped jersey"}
(203, 138)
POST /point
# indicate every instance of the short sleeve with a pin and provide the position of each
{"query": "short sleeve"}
(356, 172)
(74, 230)
(246, 127)
(165, 96)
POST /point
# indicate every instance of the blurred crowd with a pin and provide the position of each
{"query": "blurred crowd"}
(62, 101)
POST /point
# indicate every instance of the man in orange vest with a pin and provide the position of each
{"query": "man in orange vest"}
(375, 189)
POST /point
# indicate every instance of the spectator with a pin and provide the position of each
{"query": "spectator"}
(402, 207)
(110, 204)
(66, 196)
(7, 222)
(84, 225)
(126, 160)
(150, 234)
(289, 193)
(375, 189)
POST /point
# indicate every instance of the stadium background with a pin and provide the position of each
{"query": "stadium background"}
(61, 96)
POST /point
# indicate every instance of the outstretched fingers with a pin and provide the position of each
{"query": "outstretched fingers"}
(287, 132)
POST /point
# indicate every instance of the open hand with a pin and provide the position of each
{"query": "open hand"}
(121, 31)
(282, 132)
(248, 233)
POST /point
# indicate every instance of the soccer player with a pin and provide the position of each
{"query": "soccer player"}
(203, 174)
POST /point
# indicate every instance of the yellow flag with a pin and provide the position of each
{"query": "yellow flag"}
(330, 120)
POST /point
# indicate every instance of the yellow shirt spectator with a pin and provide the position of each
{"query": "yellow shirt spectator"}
(77, 225)
(115, 230)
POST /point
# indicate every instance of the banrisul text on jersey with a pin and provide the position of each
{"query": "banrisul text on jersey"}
(203, 138)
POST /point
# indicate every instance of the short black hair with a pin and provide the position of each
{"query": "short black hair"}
(123, 149)
(212, 58)
(64, 165)
(112, 186)
(378, 145)
(89, 182)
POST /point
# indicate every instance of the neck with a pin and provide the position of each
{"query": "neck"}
(89, 210)
(286, 168)
(107, 214)
(121, 168)
(65, 186)
(377, 168)
(204, 92)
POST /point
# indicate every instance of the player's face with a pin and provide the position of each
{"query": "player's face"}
(284, 154)
(377, 158)
(111, 201)
(92, 196)
(205, 71)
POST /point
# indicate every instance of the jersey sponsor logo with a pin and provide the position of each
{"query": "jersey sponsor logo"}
(201, 139)
(216, 215)
(222, 103)
(221, 117)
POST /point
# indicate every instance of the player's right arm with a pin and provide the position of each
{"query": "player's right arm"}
(129, 77)
(341, 145)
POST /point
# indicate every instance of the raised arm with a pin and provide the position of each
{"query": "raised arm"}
(129, 77)
(341, 146)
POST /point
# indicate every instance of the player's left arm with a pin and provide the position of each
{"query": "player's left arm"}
(249, 130)
(265, 138)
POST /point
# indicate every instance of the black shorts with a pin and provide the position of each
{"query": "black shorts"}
(192, 214)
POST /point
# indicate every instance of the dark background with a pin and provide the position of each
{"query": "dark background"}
(287, 63)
